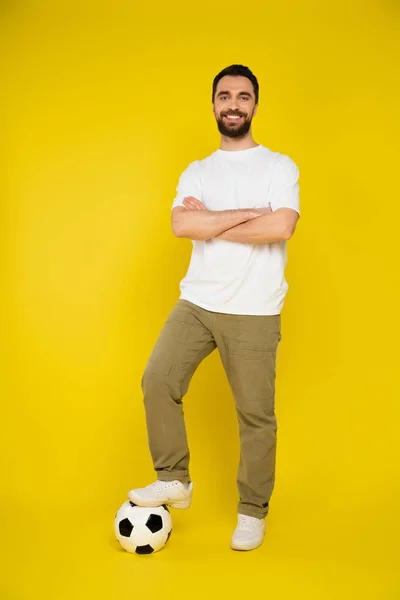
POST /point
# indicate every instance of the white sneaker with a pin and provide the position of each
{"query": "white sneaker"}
(249, 533)
(173, 493)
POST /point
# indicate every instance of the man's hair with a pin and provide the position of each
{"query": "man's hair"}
(236, 70)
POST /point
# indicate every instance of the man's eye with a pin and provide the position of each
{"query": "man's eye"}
(245, 97)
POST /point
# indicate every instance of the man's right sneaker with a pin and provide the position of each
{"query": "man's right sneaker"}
(173, 493)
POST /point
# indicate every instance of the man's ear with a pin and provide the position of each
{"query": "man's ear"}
(255, 110)
(213, 109)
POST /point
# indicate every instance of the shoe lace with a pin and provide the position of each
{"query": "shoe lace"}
(159, 485)
(246, 523)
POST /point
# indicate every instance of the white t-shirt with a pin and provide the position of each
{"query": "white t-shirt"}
(232, 277)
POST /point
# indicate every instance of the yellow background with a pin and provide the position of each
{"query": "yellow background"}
(103, 105)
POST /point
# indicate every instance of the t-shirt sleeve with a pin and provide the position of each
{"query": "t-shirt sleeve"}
(188, 185)
(284, 190)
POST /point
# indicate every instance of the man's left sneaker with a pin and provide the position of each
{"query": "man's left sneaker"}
(174, 493)
(249, 533)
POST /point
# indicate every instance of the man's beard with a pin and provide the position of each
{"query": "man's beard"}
(234, 132)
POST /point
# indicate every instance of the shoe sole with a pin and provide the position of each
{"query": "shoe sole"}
(245, 549)
(182, 504)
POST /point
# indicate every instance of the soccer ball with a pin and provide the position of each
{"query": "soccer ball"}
(142, 530)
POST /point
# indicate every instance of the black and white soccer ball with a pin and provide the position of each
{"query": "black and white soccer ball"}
(142, 530)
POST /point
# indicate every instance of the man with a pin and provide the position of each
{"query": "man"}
(239, 205)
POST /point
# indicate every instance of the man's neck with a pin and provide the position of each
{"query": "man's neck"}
(232, 144)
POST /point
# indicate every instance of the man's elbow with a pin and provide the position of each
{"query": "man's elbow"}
(177, 230)
(182, 233)
(289, 229)
(177, 221)
(288, 233)
(178, 226)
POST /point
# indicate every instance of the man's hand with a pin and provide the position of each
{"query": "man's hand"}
(192, 203)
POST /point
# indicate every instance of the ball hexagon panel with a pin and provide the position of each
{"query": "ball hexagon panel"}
(144, 549)
(125, 527)
(154, 523)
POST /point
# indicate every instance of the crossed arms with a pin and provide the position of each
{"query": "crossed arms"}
(249, 226)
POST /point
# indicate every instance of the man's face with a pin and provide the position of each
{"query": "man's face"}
(234, 105)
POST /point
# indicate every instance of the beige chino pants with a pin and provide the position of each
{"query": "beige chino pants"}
(248, 348)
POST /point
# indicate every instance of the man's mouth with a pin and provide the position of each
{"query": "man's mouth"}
(233, 118)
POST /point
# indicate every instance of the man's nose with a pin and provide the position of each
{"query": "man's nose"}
(234, 104)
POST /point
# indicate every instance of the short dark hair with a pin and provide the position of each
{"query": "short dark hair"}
(237, 70)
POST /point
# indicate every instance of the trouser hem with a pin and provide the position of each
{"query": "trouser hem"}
(258, 513)
(182, 476)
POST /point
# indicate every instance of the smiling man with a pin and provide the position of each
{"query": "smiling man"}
(239, 206)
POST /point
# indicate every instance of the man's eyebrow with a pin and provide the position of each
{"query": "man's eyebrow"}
(240, 93)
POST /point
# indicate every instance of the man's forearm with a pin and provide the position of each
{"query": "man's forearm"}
(265, 229)
(205, 224)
